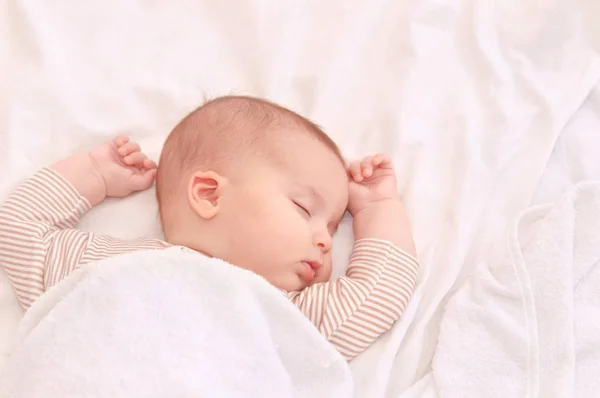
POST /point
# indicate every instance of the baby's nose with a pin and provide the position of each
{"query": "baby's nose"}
(323, 241)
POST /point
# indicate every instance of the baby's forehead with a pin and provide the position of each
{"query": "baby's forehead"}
(318, 171)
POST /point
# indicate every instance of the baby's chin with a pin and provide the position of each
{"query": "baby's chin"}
(295, 284)
(300, 280)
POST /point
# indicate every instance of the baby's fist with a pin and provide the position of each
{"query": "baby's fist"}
(123, 167)
(372, 180)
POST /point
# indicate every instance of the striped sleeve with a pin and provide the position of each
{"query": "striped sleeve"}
(354, 310)
(38, 243)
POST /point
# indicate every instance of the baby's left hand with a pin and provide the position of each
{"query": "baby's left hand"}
(372, 180)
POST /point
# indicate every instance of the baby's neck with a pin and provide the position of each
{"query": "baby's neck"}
(183, 239)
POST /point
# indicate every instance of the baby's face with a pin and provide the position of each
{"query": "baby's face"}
(281, 218)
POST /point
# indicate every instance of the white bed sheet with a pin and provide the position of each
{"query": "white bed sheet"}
(468, 97)
(576, 155)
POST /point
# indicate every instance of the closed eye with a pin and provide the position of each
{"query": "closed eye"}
(302, 208)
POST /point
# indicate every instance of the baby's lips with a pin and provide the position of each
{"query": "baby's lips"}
(308, 272)
(314, 264)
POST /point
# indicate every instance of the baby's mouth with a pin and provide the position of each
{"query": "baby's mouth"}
(315, 265)
(309, 270)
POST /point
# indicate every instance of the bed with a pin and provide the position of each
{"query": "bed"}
(487, 108)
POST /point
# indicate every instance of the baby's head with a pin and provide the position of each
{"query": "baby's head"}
(254, 184)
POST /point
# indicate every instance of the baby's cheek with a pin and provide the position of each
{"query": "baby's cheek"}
(326, 271)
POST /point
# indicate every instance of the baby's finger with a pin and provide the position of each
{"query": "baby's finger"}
(121, 140)
(377, 159)
(140, 182)
(149, 164)
(354, 170)
(135, 159)
(382, 160)
(367, 166)
(128, 148)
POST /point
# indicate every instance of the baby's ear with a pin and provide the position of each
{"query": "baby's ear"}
(204, 192)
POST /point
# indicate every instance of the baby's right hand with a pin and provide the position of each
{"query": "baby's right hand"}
(122, 167)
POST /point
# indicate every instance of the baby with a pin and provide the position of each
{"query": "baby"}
(243, 180)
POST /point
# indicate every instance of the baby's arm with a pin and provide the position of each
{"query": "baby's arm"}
(38, 245)
(374, 205)
(356, 309)
(115, 169)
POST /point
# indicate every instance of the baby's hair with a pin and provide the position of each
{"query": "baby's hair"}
(222, 131)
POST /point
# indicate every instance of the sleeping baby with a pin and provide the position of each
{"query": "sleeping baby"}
(243, 180)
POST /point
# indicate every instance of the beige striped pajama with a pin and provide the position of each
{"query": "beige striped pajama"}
(39, 247)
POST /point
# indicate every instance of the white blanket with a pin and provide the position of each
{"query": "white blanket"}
(468, 97)
(528, 323)
(170, 323)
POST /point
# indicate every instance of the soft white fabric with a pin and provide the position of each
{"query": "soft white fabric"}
(575, 154)
(468, 97)
(528, 324)
(170, 323)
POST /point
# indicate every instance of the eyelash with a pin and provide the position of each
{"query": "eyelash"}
(302, 208)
